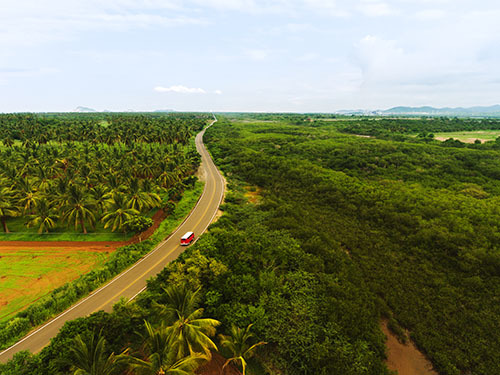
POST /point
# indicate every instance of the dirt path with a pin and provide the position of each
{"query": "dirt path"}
(406, 359)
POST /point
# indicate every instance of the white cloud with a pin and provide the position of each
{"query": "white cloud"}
(30, 22)
(375, 8)
(430, 14)
(308, 57)
(257, 54)
(328, 7)
(180, 89)
(218, 92)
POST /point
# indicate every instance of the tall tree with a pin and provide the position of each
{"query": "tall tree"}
(238, 343)
(189, 332)
(8, 207)
(117, 212)
(89, 357)
(161, 356)
(79, 208)
(44, 217)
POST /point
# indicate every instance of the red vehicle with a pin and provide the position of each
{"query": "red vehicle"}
(187, 238)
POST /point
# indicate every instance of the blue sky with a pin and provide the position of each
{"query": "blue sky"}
(248, 55)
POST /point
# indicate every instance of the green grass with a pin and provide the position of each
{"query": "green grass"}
(469, 137)
(19, 232)
(30, 273)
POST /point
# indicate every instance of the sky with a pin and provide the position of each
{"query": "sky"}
(247, 55)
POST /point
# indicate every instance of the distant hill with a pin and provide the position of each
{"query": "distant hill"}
(492, 111)
(84, 109)
(431, 111)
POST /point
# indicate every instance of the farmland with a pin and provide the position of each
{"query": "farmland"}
(30, 272)
(469, 136)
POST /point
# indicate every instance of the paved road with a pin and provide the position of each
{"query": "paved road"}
(133, 280)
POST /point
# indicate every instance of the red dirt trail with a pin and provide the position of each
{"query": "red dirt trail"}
(406, 359)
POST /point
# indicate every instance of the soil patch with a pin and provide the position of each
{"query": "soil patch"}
(253, 194)
(214, 367)
(406, 359)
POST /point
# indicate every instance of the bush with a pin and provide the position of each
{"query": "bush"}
(138, 224)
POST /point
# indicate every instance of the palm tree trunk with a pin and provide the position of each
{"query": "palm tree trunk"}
(4, 224)
(83, 226)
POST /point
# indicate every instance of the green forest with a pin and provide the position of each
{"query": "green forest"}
(324, 233)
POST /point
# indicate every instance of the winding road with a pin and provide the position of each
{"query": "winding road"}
(132, 281)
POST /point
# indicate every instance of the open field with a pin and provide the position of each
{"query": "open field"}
(469, 137)
(31, 271)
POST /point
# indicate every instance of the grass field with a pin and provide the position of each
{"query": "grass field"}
(19, 232)
(469, 137)
(27, 274)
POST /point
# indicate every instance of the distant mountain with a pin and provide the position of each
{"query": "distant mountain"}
(84, 109)
(431, 111)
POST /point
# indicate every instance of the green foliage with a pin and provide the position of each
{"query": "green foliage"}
(238, 344)
(137, 224)
(412, 222)
(89, 356)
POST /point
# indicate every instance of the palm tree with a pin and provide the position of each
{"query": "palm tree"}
(99, 194)
(162, 357)
(79, 208)
(90, 359)
(44, 218)
(239, 346)
(189, 333)
(26, 192)
(8, 207)
(8, 142)
(141, 200)
(167, 179)
(117, 212)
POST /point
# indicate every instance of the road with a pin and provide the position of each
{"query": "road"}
(133, 280)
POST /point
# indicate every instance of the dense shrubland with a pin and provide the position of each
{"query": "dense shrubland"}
(423, 126)
(419, 221)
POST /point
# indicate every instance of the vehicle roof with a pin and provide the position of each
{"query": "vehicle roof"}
(187, 235)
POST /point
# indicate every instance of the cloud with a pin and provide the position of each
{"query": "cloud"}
(375, 8)
(29, 22)
(218, 92)
(257, 54)
(430, 14)
(180, 89)
(328, 7)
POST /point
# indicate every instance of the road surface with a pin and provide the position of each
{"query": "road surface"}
(133, 280)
